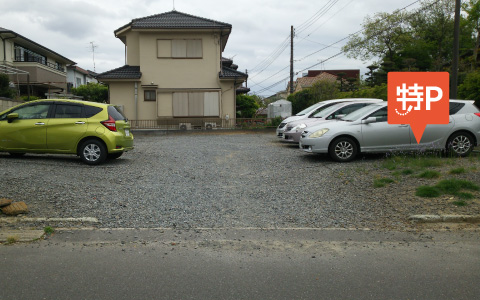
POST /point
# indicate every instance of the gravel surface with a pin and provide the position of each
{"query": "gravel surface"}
(218, 180)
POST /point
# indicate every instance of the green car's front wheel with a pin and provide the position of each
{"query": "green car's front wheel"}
(93, 152)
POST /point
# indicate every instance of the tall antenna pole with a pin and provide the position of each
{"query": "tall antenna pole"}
(173, 4)
(93, 53)
(291, 60)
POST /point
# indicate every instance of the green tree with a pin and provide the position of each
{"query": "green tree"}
(416, 41)
(5, 90)
(472, 8)
(383, 36)
(301, 100)
(325, 90)
(247, 106)
(320, 91)
(470, 88)
(95, 92)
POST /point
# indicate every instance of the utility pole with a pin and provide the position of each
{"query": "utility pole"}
(291, 60)
(93, 53)
(456, 42)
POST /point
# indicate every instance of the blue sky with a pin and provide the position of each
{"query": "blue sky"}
(259, 29)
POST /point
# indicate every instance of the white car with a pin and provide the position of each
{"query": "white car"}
(310, 111)
(367, 130)
(293, 130)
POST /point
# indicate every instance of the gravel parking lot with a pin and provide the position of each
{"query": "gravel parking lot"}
(214, 180)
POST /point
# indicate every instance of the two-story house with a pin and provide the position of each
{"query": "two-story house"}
(174, 71)
(35, 69)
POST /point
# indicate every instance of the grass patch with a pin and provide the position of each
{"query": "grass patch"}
(457, 171)
(428, 162)
(466, 196)
(428, 191)
(12, 239)
(389, 164)
(381, 182)
(460, 203)
(448, 186)
(48, 230)
(453, 186)
(429, 174)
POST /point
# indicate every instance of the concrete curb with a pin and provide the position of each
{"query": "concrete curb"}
(445, 218)
(20, 235)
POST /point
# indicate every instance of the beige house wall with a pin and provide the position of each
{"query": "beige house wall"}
(133, 44)
(123, 94)
(177, 72)
(167, 75)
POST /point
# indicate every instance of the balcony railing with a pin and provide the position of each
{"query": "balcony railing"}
(40, 61)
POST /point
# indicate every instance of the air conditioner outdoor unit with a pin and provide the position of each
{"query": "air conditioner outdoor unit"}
(185, 126)
(210, 125)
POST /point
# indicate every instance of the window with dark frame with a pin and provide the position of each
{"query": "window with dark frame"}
(150, 95)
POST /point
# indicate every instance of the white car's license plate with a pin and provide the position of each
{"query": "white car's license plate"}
(127, 132)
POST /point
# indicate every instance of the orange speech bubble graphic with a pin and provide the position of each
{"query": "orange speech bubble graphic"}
(418, 99)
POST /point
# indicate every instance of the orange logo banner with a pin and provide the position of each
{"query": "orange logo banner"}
(418, 99)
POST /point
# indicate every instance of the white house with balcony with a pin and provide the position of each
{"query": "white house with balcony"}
(33, 68)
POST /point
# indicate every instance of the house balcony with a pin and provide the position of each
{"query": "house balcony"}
(42, 73)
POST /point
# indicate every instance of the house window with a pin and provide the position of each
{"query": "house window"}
(25, 55)
(79, 82)
(150, 95)
(179, 49)
(196, 104)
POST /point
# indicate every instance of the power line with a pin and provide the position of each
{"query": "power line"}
(263, 65)
(320, 13)
(340, 53)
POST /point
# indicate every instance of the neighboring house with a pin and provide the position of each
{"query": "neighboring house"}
(77, 76)
(174, 70)
(307, 82)
(35, 69)
(352, 73)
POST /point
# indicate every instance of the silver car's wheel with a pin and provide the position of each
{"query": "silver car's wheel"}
(460, 144)
(343, 149)
(93, 152)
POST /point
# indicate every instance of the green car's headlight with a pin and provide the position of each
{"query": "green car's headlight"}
(319, 133)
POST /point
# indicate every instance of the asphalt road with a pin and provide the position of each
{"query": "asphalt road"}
(242, 264)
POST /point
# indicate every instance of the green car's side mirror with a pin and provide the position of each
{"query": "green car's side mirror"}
(11, 117)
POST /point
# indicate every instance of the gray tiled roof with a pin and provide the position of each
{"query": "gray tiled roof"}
(231, 73)
(174, 20)
(125, 72)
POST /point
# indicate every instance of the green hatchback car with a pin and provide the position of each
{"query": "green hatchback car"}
(93, 131)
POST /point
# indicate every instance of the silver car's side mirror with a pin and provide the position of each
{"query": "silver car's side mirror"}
(340, 116)
(369, 120)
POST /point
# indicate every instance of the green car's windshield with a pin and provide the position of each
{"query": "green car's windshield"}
(360, 112)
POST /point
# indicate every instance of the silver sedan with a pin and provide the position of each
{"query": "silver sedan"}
(367, 130)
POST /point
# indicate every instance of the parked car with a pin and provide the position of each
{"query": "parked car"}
(93, 131)
(367, 130)
(293, 130)
(310, 111)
